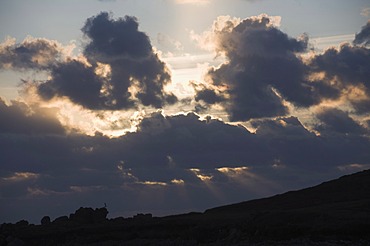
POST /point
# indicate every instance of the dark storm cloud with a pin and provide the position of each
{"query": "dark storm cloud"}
(192, 142)
(168, 145)
(146, 164)
(30, 54)
(77, 81)
(262, 70)
(335, 120)
(363, 37)
(19, 118)
(296, 147)
(350, 64)
(132, 64)
(209, 96)
(115, 39)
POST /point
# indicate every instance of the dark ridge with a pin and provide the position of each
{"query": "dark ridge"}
(333, 213)
(346, 189)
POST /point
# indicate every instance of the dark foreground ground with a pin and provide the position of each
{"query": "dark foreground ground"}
(333, 213)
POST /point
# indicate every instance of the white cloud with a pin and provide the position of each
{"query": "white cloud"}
(365, 12)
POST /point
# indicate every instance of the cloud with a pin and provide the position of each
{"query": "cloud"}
(346, 70)
(115, 39)
(252, 47)
(78, 82)
(134, 72)
(118, 70)
(365, 12)
(363, 37)
(335, 120)
(183, 161)
(32, 53)
(265, 74)
(209, 96)
(19, 118)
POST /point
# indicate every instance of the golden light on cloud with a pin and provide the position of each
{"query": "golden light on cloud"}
(357, 93)
(155, 183)
(208, 183)
(178, 181)
(349, 95)
(232, 171)
(109, 123)
(126, 173)
(249, 180)
(21, 176)
(134, 88)
(203, 177)
(103, 70)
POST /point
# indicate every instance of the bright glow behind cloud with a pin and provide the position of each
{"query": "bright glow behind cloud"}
(194, 2)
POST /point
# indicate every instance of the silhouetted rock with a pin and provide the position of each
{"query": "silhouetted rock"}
(45, 220)
(118, 220)
(89, 215)
(22, 223)
(100, 215)
(62, 220)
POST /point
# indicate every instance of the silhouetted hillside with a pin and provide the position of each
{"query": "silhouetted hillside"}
(343, 191)
(335, 213)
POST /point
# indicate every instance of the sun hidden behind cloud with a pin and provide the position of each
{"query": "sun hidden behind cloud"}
(194, 2)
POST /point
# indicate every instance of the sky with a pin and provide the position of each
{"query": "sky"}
(172, 106)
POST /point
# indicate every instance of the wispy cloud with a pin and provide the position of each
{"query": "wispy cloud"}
(322, 43)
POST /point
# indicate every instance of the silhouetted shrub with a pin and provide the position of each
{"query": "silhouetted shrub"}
(45, 220)
(143, 216)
